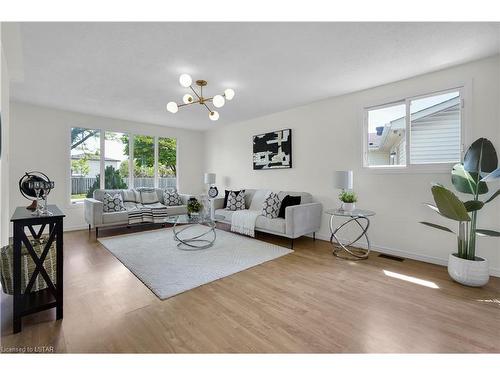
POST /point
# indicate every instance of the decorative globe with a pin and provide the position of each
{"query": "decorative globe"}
(32, 177)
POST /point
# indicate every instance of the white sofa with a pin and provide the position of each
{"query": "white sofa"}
(96, 218)
(299, 220)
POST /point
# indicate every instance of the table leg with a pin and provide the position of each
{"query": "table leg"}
(18, 297)
(360, 254)
(59, 269)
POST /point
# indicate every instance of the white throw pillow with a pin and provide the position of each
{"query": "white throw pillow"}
(271, 206)
(236, 202)
(171, 198)
(113, 203)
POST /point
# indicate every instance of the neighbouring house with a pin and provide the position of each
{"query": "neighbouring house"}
(94, 164)
(436, 128)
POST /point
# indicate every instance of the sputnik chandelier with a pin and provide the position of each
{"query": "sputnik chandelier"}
(218, 101)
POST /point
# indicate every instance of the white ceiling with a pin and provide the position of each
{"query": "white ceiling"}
(130, 70)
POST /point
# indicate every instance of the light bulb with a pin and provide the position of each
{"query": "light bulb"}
(218, 101)
(185, 80)
(214, 115)
(229, 94)
(172, 107)
(187, 99)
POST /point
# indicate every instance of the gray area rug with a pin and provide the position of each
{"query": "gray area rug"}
(154, 258)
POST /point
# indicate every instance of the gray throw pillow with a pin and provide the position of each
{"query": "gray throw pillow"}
(236, 202)
(131, 195)
(149, 197)
(271, 206)
(113, 203)
(171, 198)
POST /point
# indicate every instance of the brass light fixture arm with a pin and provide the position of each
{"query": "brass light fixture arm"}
(198, 96)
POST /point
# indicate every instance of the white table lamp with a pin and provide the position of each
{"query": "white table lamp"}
(343, 180)
(209, 178)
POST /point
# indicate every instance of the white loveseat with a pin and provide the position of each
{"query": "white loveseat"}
(299, 220)
(96, 218)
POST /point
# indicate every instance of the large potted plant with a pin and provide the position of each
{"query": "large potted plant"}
(480, 166)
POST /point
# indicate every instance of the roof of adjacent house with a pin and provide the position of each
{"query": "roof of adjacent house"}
(91, 157)
(378, 139)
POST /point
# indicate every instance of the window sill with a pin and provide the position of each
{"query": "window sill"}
(413, 169)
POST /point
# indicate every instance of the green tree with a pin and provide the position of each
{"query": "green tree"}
(80, 135)
(80, 166)
(167, 154)
(124, 168)
(112, 180)
(144, 152)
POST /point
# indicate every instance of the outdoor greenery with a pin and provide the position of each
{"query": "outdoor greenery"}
(470, 177)
(348, 197)
(112, 180)
(80, 135)
(80, 166)
(144, 155)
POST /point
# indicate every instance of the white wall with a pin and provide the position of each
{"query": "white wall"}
(4, 164)
(40, 140)
(327, 136)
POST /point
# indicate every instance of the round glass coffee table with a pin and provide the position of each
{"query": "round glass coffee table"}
(361, 218)
(184, 233)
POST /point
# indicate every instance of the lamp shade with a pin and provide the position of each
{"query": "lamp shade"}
(210, 178)
(343, 180)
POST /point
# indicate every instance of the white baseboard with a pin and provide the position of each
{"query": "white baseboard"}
(404, 254)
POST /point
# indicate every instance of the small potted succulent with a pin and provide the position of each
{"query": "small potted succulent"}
(194, 206)
(470, 177)
(348, 199)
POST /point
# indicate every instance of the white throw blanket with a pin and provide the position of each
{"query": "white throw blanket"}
(244, 222)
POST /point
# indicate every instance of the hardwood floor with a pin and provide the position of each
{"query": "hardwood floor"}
(308, 301)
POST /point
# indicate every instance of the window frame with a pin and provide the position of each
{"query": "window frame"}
(434, 167)
(131, 135)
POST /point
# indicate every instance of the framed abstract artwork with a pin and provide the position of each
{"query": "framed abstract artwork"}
(273, 150)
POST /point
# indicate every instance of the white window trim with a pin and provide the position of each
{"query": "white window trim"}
(465, 113)
(76, 203)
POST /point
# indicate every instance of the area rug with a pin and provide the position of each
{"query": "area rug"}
(154, 258)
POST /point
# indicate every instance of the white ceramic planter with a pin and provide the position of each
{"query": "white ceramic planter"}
(348, 206)
(468, 272)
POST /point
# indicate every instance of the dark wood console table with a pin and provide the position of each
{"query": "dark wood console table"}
(30, 302)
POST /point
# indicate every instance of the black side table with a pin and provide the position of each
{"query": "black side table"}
(30, 302)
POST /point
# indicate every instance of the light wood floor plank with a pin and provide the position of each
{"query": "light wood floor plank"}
(308, 301)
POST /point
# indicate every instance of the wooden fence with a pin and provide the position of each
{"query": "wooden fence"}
(80, 185)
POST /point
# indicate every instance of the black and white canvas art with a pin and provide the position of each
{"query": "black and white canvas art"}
(273, 150)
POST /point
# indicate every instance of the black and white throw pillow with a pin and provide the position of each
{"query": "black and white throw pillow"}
(271, 206)
(113, 203)
(171, 198)
(236, 202)
(226, 194)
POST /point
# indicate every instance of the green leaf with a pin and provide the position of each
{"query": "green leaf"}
(497, 193)
(448, 204)
(434, 208)
(473, 205)
(492, 176)
(436, 226)
(465, 182)
(481, 157)
(487, 232)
